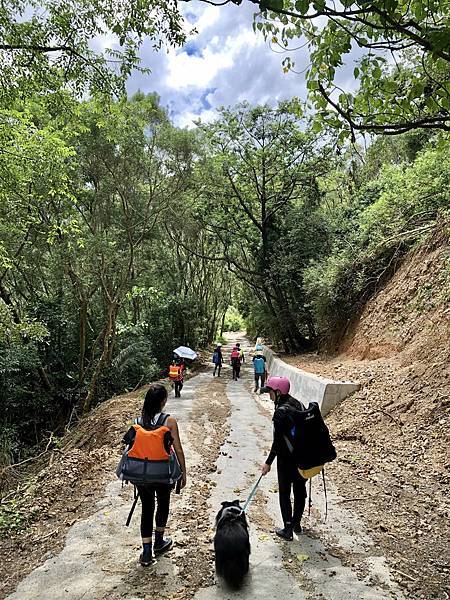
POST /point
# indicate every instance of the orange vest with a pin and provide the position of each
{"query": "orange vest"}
(149, 444)
(175, 372)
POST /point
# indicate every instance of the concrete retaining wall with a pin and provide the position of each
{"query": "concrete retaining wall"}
(308, 387)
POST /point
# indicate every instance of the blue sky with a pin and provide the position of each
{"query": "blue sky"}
(224, 63)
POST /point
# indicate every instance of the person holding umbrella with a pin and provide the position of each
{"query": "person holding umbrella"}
(178, 367)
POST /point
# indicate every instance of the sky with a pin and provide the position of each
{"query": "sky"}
(224, 63)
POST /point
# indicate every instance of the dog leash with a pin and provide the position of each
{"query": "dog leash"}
(252, 493)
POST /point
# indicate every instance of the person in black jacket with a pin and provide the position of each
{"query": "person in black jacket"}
(217, 360)
(288, 476)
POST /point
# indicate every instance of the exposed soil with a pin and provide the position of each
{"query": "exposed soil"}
(68, 482)
(63, 489)
(393, 435)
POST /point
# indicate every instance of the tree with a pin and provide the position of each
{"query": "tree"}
(259, 164)
(47, 46)
(402, 64)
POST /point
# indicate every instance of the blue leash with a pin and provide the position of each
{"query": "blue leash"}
(252, 493)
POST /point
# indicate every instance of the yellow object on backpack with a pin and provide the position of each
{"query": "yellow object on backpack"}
(308, 473)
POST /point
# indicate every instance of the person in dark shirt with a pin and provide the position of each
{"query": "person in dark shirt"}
(154, 403)
(235, 361)
(288, 476)
(217, 360)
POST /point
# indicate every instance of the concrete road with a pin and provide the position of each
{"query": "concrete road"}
(333, 560)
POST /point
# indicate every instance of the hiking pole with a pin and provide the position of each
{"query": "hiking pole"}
(252, 493)
(136, 498)
(310, 498)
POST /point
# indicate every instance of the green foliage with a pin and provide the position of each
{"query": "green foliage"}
(46, 46)
(15, 517)
(408, 201)
(12, 518)
(233, 320)
(260, 168)
(94, 295)
(402, 64)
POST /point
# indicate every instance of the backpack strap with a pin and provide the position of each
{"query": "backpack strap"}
(159, 423)
(161, 420)
(288, 444)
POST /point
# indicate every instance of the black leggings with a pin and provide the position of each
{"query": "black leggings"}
(147, 495)
(289, 478)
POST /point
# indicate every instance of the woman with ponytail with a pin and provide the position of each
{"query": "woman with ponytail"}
(157, 494)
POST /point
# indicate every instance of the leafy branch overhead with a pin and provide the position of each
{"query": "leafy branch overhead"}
(398, 51)
(79, 44)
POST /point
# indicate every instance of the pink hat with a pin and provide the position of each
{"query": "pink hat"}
(277, 383)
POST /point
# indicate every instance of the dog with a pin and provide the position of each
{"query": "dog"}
(232, 544)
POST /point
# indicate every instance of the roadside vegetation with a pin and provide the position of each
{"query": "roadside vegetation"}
(122, 236)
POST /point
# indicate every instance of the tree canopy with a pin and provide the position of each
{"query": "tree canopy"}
(79, 44)
(400, 53)
(123, 236)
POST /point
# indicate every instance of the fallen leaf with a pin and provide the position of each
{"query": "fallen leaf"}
(302, 557)
(263, 537)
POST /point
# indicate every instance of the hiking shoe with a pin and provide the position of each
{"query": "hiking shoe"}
(297, 529)
(164, 546)
(146, 559)
(285, 533)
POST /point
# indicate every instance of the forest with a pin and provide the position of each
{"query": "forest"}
(123, 236)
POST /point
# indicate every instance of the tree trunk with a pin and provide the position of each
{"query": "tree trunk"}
(82, 331)
(103, 360)
(222, 324)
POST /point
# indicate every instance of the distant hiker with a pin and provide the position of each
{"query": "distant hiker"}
(288, 475)
(235, 361)
(241, 352)
(259, 366)
(258, 344)
(153, 428)
(176, 374)
(217, 359)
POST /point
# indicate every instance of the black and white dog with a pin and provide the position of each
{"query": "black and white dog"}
(232, 544)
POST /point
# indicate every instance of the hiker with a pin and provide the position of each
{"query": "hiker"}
(154, 403)
(241, 352)
(176, 374)
(235, 361)
(288, 475)
(217, 359)
(258, 344)
(259, 366)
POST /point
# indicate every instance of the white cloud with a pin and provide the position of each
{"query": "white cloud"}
(224, 63)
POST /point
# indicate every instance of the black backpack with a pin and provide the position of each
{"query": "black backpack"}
(306, 435)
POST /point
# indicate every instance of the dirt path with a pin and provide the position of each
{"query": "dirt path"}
(226, 431)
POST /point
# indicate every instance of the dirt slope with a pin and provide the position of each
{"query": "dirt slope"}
(393, 435)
